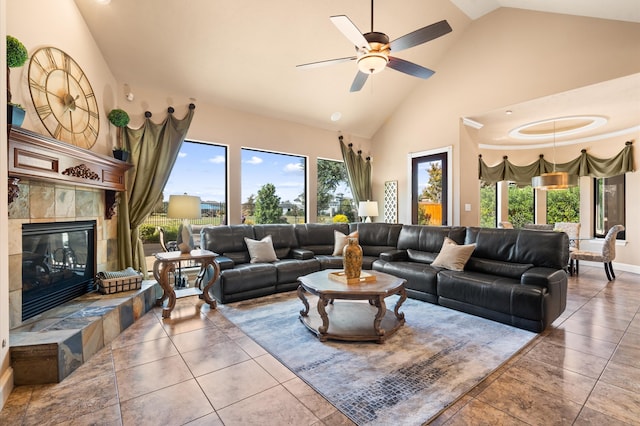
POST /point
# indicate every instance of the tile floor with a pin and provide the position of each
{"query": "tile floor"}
(199, 369)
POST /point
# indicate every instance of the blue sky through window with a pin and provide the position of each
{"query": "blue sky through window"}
(200, 169)
(286, 172)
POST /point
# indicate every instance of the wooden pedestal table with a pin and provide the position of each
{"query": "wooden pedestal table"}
(350, 317)
(166, 262)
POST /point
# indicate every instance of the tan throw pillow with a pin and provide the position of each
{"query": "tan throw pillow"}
(261, 251)
(341, 241)
(453, 256)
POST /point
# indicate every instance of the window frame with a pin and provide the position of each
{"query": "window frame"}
(305, 178)
(622, 186)
(447, 185)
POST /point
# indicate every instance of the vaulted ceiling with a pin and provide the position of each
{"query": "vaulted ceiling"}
(243, 54)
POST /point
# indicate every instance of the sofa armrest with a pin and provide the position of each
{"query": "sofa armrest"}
(301, 254)
(225, 263)
(394, 255)
(544, 277)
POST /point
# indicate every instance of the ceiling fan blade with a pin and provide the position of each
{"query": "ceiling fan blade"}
(359, 81)
(350, 31)
(325, 63)
(420, 36)
(409, 68)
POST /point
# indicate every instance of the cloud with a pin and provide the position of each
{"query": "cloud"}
(293, 167)
(254, 160)
(182, 154)
(218, 159)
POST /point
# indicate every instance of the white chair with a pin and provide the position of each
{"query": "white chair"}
(606, 256)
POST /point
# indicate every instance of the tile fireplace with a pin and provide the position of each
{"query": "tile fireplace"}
(58, 264)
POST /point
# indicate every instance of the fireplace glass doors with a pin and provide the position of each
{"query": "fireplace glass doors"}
(58, 264)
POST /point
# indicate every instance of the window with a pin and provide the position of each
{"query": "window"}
(429, 195)
(521, 205)
(563, 205)
(609, 205)
(334, 192)
(488, 205)
(195, 160)
(273, 187)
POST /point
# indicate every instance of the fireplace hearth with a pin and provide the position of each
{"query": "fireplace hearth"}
(58, 264)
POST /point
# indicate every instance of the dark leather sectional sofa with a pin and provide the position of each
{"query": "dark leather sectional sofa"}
(516, 277)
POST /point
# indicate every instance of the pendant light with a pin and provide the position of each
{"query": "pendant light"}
(554, 180)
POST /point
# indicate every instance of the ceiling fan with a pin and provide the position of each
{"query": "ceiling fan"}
(373, 49)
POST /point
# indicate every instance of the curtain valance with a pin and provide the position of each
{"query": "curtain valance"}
(584, 165)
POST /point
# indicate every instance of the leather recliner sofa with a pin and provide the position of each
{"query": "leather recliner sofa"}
(515, 277)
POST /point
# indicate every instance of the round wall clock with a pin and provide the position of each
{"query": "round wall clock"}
(63, 97)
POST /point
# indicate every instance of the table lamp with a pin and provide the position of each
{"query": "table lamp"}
(367, 209)
(184, 207)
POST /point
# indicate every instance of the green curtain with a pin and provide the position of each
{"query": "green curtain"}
(584, 165)
(358, 172)
(154, 149)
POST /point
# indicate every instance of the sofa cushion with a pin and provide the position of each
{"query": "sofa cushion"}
(341, 240)
(283, 237)
(318, 237)
(261, 251)
(499, 294)
(227, 240)
(290, 269)
(421, 278)
(376, 238)
(497, 267)
(453, 256)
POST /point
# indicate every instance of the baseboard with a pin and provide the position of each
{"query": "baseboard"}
(616, 266)
(6, 386)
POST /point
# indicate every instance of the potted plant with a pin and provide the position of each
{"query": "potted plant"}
(120, 119)
(16, 57)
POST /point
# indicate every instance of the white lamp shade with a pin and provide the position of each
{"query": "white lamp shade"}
(184, 207)
(372, 63)
(368, 209)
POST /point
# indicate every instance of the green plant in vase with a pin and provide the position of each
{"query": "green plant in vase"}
(17, 55)
(120, 119)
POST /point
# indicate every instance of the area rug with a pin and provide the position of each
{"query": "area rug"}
(434, 359)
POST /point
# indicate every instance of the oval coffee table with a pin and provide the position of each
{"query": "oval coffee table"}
(350, 317)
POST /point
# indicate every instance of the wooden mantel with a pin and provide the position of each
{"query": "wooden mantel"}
(34, 156)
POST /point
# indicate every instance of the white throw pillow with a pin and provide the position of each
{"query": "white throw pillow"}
(453, 256)
(261, 251)
(341, 241)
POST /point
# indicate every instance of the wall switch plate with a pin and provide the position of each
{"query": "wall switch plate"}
(467, 207)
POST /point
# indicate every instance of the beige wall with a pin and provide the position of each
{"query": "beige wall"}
(507, 57)
(236, 130)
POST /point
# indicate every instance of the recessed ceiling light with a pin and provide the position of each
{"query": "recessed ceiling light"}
(103, 1)
(336, 116)
(508, 112)
(565, 126)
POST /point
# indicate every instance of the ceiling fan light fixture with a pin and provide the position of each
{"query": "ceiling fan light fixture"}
(372, 63)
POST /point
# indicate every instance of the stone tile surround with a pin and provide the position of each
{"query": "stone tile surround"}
(48, 202)
(50, 346)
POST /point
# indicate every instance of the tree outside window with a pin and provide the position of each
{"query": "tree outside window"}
(488, 205)
(273, 187)
(563, 205)
(521, 202)
(334, 194)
